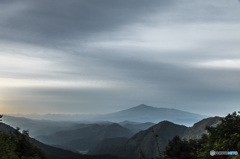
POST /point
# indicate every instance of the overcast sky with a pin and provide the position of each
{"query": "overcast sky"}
(102, 56)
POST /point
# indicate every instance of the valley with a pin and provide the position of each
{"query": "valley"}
(104, 135)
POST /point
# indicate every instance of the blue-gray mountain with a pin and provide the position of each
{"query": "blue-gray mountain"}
(53, 152)
(85, 138)
(39, 127)
(141, 113)
(136, 127)
(146, 140)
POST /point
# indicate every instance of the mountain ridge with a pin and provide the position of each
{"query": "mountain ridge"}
(53, 152)
(141, 113)
(85, 138)
(144, 113)
(159, 133)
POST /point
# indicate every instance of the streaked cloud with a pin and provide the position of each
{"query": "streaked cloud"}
(98, 56)
(230, 64)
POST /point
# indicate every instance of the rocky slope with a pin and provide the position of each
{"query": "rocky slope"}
(159, 134)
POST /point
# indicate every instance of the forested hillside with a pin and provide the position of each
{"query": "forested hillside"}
(17, 145)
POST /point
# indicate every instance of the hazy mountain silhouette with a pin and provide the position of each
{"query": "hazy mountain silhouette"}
(135, 128)
(104, 138)
(85, 138)
(57, 117)
(38, 127)
(128, 122)
(141, 113)
(53, 152)
(146, 140)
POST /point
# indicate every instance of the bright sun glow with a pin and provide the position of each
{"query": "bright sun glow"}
(58, 84)
(234, 64)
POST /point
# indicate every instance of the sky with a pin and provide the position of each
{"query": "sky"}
(102, 56)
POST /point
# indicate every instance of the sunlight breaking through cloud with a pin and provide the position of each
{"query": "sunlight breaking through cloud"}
(232, 64)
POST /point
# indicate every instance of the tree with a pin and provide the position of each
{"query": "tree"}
(16, 145)
(223, 137)
(181, 149)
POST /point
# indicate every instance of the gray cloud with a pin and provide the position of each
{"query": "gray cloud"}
(58, 22)
(143, 53)
(61, 20)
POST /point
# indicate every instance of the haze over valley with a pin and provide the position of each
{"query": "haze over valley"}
(111, 133)
(115, 139)
(119, 79)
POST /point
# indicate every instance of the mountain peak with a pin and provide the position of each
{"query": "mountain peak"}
(143, 106)
(140, 108)
(144, 113)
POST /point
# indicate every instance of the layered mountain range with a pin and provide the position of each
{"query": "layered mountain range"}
(85, 138)
(141, 113)
(147, 140)
(53, 152)
(121, 134)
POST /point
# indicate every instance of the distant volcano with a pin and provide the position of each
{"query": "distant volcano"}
(145, 113)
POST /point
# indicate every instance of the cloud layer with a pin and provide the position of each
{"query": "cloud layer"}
(82, 56)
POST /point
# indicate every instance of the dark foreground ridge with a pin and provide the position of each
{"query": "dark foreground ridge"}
(49, 151)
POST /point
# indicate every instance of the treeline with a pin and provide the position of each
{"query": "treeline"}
(224, 137)
(16, 145)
